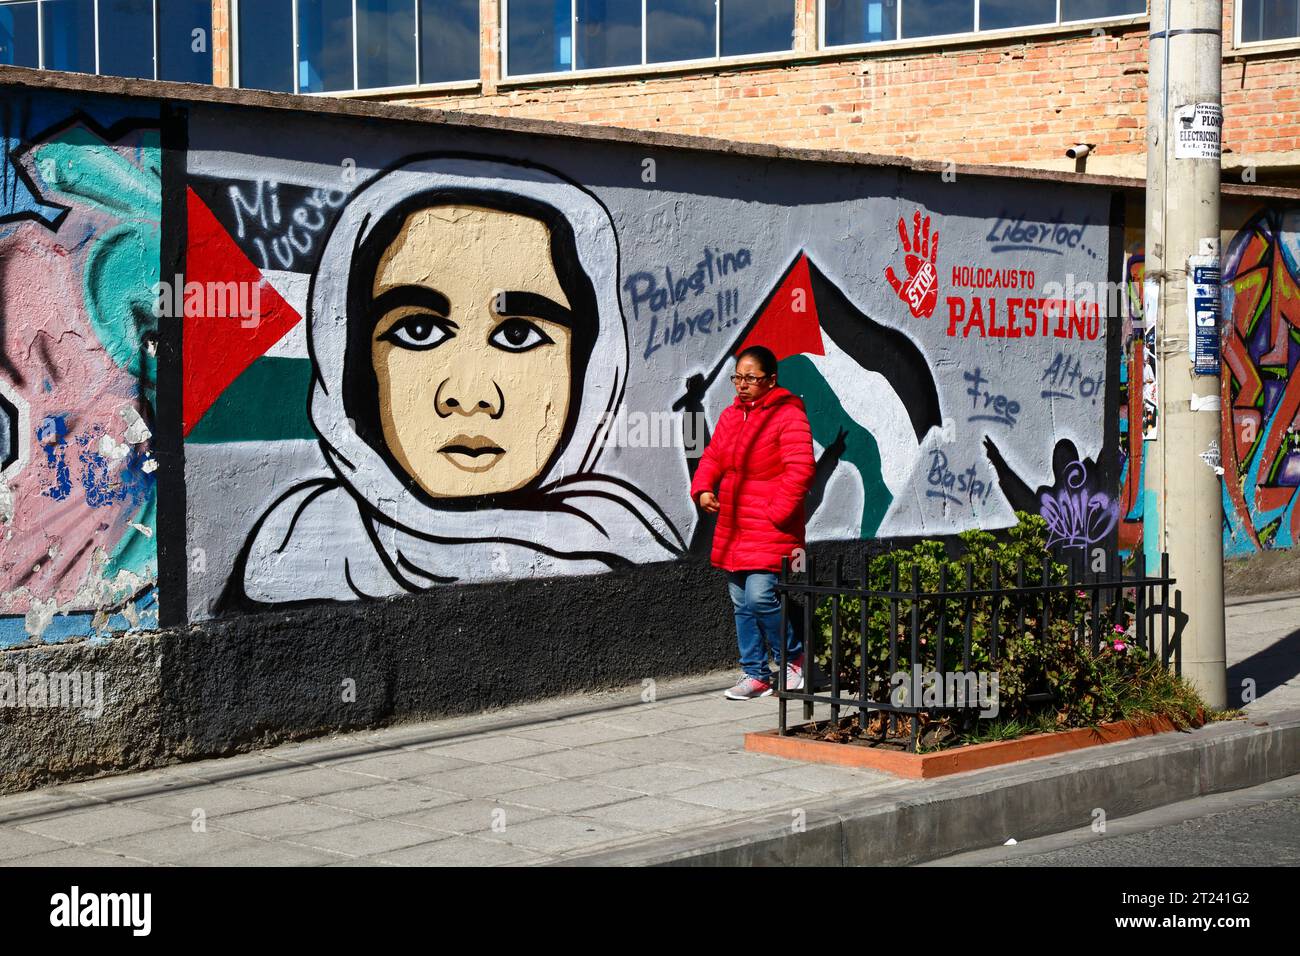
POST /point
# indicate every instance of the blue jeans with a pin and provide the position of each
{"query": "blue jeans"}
(758, 622)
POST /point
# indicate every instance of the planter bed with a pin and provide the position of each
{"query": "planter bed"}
(888, 757)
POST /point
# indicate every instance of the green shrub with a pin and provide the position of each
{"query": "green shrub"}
(1047, 675)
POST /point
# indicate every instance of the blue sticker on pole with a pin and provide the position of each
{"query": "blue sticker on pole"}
(1204, 306)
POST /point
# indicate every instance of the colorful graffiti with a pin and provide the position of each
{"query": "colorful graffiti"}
(1138, 405)
(79, 252)
(1260, 444)
(1261, 349)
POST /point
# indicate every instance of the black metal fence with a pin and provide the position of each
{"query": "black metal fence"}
(1010, 596)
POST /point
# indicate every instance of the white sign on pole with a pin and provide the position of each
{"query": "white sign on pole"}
(1198, 131)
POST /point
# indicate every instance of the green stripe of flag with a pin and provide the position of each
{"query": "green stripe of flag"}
(268, 402)
(828, 418)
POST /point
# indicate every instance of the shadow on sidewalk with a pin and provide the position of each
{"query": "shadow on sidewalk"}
(1269, 668)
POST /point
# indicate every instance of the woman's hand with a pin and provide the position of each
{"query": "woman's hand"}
(709, 502)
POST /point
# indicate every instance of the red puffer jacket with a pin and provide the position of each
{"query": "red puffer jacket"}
(762, 454)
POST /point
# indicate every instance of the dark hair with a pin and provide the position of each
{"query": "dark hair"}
(360, 384)
(765, 358)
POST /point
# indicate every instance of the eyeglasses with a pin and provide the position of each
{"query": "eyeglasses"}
(751, 379)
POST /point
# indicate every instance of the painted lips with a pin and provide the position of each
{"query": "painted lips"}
(472, 452)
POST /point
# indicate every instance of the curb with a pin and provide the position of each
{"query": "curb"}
(984, 808)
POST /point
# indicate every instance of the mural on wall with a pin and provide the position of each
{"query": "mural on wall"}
(1261, 349)
(456, 366)
(468, 351)
(408, 358)
(80, 217)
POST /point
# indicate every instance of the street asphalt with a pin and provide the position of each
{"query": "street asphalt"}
(1257, 826)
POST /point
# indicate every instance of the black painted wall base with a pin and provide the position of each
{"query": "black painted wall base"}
(256, 680)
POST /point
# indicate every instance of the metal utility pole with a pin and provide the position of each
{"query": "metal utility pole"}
(1184, 503)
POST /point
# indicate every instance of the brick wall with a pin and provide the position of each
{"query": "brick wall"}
(222, 74)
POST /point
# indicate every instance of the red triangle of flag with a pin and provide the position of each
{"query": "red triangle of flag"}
(788, 324)
(219, 344)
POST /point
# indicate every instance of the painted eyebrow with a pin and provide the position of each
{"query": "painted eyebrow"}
(418, 295)
(535, 305)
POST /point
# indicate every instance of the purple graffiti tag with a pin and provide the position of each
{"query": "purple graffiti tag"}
(1076, 517)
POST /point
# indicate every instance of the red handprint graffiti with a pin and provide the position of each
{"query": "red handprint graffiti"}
(921, 290)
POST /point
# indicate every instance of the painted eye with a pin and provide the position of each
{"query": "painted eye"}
(418, 332)
(518, 335)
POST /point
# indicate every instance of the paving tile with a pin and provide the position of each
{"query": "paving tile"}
(73, 856)
(224, 769)
(577, 733)
(497, 748)
(400, 764)
(310, 782)
(653, 778)
(213, 799)
(716, 710)
(19, 808)
(560, 834)
(288, 819)
(97, 824)
(655, 814)
(569, 795)
(460, 851)
(486, 780)
(824, 779)
(710, 737)
(746, 794)
(16, 843)
(657, 749)
(357, 861)
(387, 799)
(736, 763)
(570, 763)
(179, 845)
(651, 718)
(126, 786)
(268, 853)
(365, 839)
(471, 816)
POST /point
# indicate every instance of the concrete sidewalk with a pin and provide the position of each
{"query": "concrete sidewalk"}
(613, 778)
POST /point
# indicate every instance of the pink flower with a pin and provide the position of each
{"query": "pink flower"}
(1120, 645)
(1119, 628)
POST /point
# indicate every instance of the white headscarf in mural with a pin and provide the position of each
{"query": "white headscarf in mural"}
(364, 531)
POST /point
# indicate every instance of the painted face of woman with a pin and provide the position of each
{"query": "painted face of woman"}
(472, 350)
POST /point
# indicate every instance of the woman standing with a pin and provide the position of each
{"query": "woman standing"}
(754, 475)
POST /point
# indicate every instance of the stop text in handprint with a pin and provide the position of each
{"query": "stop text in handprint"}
(921, 288)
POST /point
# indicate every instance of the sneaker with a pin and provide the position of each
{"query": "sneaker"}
(794, 674)
(748, 689)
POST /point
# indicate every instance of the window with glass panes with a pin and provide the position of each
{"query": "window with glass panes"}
(326, 46)
(847, 22)
(141, 39)
(555, 36)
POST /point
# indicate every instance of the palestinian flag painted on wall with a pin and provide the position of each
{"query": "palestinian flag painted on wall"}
(247, 370)
(868, 390)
